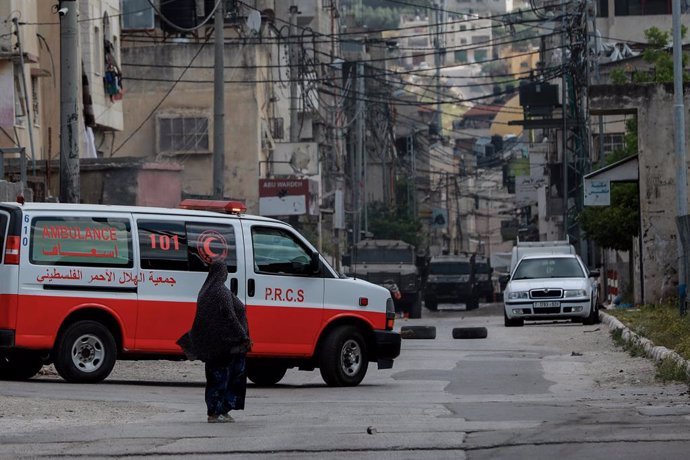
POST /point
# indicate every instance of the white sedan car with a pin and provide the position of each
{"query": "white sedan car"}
(547, 287)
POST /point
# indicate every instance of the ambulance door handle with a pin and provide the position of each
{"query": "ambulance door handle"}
(233, 285)
(250, 287)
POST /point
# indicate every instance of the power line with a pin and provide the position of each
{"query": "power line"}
(165, 96)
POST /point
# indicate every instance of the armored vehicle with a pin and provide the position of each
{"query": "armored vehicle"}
(388, 263)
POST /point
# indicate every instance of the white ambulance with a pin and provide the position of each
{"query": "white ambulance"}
(84, 285)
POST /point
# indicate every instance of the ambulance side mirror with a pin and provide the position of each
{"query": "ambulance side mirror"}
(315, 262)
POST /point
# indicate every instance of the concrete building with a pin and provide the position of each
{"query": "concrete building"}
(466, 38)
(626, 20)
(170, 97)
(33, 92)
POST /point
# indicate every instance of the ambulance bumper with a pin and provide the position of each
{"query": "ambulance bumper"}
(387, 348)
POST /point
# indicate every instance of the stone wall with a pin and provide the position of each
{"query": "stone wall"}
(657, 173)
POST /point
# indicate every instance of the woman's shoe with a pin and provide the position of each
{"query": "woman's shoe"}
(222, 418)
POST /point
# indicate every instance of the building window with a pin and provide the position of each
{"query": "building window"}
(137, 15)
(480, 55)
(602, 8)
(612, 142)
(183, 134)
(19, 99)
(277, 128)
(641, 7)
(461, 56)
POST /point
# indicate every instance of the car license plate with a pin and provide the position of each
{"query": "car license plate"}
(546, 304)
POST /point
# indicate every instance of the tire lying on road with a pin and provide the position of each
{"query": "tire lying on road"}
(469, 332)
(418, 332)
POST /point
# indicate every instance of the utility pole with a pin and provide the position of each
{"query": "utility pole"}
(564, 108)
(69, 115)
(359, 151)
(294, 126)
(29, 126)
(219, 104)
(681, 163)
(438, 63)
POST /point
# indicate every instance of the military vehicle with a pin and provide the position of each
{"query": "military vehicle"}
(389, 263)
(462, 278)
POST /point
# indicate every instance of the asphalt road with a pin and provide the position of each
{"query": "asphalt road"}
(544, 391)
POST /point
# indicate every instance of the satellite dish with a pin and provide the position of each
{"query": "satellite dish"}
(254, 21)
(300, 160)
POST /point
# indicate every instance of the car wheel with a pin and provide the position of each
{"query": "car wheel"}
(344, 358)
(85, 352)
(431, 304)
(593, 317)
(472, 303)
(19, 365)
(512, 322)
(265, 374)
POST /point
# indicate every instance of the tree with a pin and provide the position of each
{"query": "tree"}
(614, 226)
(394, 222)
(658, 55)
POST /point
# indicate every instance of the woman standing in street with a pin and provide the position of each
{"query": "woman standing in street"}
(220, 338)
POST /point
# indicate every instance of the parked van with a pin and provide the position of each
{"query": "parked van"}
(533, 248)
(84, 285)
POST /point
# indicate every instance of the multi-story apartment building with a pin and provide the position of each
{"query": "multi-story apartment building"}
(466, 38)
(30, 81)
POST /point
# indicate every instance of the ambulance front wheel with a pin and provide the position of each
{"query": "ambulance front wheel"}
(85, 352)
(344, 358)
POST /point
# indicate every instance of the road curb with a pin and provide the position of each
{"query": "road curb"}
(657, 353)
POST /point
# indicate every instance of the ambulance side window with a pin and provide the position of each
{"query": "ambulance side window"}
(162, 245)
(81, 241)
(208, 242)
(277, 251)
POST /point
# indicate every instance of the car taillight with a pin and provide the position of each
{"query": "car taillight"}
(390, 314)
(12, 250)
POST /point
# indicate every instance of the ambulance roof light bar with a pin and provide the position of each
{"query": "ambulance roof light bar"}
(227, 207)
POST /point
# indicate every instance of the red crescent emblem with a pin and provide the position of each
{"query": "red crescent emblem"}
(211, 245)
(207, 246)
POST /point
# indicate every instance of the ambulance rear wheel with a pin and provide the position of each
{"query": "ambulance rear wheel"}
(85, 353)
(344, 358)
(19, 365)
(265, 375)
